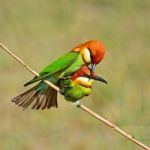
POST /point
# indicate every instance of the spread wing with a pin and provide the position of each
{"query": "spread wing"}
(57, 66)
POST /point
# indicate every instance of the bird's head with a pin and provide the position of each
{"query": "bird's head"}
(92, 52)
(84, 77)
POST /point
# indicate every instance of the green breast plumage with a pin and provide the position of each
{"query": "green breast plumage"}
(74, 91)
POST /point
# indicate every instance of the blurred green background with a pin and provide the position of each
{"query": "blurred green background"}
(41, 31)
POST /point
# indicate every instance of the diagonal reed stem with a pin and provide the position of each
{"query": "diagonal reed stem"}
(82, 107)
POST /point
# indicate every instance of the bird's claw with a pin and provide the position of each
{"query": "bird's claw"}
(77, 104)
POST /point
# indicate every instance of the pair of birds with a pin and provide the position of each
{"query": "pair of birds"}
(73, 73)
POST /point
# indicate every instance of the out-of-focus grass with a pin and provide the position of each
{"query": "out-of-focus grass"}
(41, 31)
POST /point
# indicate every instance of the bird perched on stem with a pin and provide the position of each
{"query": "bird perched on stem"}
(73, 88)
(79, 84)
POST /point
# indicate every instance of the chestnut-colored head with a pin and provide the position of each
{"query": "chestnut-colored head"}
(81, 77)
(92, 51)
(84, 77)
(82, 72)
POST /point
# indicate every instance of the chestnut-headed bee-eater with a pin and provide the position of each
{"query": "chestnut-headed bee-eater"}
(73, 88)
(89, 53)
(79, 84)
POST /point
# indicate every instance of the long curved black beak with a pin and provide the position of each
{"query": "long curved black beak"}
(99, 79)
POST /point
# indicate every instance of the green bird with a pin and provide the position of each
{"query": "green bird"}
(89, 53)
(79, 84)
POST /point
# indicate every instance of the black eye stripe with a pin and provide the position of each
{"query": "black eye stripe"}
(85, 75)
(91, 55)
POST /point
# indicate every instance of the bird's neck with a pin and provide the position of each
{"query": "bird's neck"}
(84, 81)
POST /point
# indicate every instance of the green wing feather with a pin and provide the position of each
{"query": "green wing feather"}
(57, 66)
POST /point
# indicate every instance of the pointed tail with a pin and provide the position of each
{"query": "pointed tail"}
(46, 98)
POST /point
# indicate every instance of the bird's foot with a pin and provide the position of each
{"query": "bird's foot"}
(77, 104)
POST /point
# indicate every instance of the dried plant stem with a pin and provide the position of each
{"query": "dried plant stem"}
(92, 113)
(114, 127)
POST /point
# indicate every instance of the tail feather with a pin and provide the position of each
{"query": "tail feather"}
(36, 102)
(44, 104)
(43, 99)
(28, 102)
(49, 102)
(53, 100)
(24, 99)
